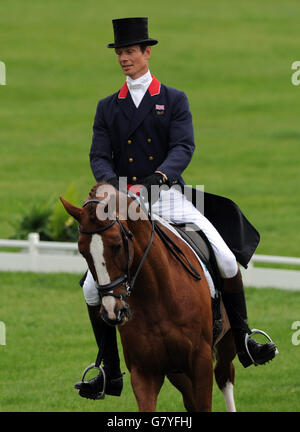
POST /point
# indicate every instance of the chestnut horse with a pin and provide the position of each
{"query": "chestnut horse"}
(166, 323)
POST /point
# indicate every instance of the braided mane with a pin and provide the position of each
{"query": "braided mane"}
(92, 193)
(92, 206)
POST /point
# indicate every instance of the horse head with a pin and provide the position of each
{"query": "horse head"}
(107, 245)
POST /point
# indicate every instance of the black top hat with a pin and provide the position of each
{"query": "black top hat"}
(131, 31)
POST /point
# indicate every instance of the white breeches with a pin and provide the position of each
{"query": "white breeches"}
(173, 206)
(90, 291)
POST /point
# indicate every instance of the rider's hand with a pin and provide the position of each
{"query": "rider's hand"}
(114, 181)
(155, 179)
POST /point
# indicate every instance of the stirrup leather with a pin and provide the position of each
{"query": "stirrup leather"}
(248, 336)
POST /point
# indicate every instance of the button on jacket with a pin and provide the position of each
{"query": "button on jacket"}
(134, 142)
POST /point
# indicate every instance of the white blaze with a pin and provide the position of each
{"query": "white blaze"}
(97, 252)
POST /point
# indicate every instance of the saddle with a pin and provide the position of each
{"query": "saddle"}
(198, 241)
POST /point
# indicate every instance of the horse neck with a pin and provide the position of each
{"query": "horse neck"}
(142, 231)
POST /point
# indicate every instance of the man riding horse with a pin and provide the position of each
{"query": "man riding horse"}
(144, 132)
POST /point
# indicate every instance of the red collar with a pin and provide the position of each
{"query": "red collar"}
(153, 89)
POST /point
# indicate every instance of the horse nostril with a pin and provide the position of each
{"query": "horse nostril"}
(122, 313)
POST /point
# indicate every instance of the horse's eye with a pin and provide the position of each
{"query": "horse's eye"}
(116, 248)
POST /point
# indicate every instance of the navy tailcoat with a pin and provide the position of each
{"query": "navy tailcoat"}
(158, 135)
(134, 142)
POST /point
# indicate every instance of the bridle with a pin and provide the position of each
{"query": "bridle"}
(126, 279)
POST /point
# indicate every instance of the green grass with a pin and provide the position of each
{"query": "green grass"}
(49, 341)
(233, 60)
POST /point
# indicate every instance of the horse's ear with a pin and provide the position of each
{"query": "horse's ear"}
(75, 212)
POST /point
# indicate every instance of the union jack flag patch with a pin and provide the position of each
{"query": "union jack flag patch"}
(159, 107)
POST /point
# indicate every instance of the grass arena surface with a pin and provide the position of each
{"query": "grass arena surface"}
(49, 341)
(233, 59)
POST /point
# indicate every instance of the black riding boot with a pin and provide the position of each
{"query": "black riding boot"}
(235, 304)
(106, 339)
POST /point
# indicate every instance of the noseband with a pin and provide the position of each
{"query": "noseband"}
(126, 279)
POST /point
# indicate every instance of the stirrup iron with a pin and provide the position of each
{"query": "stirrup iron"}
(248, 336)
(100, 395)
